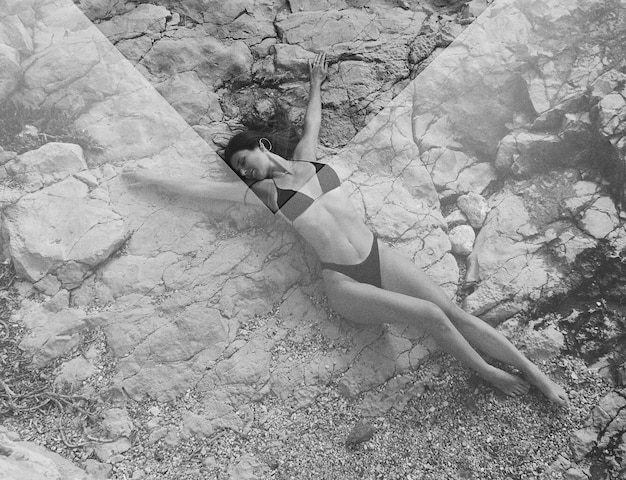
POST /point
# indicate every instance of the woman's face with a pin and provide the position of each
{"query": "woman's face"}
(251, 164)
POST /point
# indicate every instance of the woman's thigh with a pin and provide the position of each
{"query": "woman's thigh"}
(364, 303)
(401, 275)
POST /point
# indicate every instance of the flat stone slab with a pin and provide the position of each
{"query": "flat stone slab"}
(63, 230)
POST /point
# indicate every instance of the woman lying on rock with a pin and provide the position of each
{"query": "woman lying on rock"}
(366, 281)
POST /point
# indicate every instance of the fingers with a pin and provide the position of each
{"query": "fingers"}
(319, 61)
(129, 169)
(318, 69)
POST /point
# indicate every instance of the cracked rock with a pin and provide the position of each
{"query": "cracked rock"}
(462, 239)
(39, 244)
(46, 165)
(361, 432)
(10, 71)
(27, 460)
(145, 19)
(474, 207)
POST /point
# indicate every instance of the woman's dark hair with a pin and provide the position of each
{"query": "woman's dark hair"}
(278, 130)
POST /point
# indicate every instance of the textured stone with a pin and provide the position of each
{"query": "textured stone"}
(14, 33)
(308, 5)
(192, 98)
(65, 61)
(445, 166)
(117, 422)
(16, 7)
(29, 461)
(49, 285)
(46, 165)
(615, 429)
(462, 239)
(332, 31)
(396, 394)
(219, 416)
(475, 208)
(39, 244)
(612, 404)
(543, 344)
(525, 153)
(247, 467)
(195, 298)
(475, 7)
(51, 335)
(582, 442)
(601, 219)
(11, 71)
(292, 58)
(145, 19)
(105, 452)
(361, 432)
(98, 470)
(215, 63)
(167, 358)
(74, 372)
(376, 363)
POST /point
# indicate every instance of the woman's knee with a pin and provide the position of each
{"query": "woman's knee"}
(434, 318)
(460, 318)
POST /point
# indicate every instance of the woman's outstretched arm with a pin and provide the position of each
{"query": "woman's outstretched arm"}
(194, 187)
(307, 147)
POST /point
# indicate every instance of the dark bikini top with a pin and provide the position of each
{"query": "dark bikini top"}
(292, 203)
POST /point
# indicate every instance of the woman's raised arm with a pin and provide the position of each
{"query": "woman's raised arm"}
(307, 146)
(193, 187)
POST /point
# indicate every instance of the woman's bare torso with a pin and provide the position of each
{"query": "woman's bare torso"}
(335, 229)
(331, 224)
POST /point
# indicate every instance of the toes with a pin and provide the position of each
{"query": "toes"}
(563, 400)
(522, 389)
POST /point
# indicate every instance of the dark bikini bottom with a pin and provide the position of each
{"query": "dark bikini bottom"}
(368, 271)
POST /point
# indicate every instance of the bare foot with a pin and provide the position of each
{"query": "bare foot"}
(553, 392)
(511, 385)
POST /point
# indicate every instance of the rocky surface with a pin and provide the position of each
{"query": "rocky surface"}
(28, 461)
(492, 169)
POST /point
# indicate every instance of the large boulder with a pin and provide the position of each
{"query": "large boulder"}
(215, 62)
(64, 230)
(21, 460)
(52, 334)
(532, 236)
(61, 63)
(144, 20)
(46, 165)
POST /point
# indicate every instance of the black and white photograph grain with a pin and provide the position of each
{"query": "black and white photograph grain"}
(312, 239)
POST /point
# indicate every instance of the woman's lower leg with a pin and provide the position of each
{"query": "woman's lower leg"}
(452, 341)
(488, 340)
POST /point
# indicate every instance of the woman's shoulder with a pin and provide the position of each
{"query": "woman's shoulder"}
(265, 190)
(262, 185)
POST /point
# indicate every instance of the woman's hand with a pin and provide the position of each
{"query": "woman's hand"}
(318, 69)
(138, 176)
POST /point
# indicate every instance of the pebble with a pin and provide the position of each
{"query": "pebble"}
(362, 432)
(155, 411)
(138, 474)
